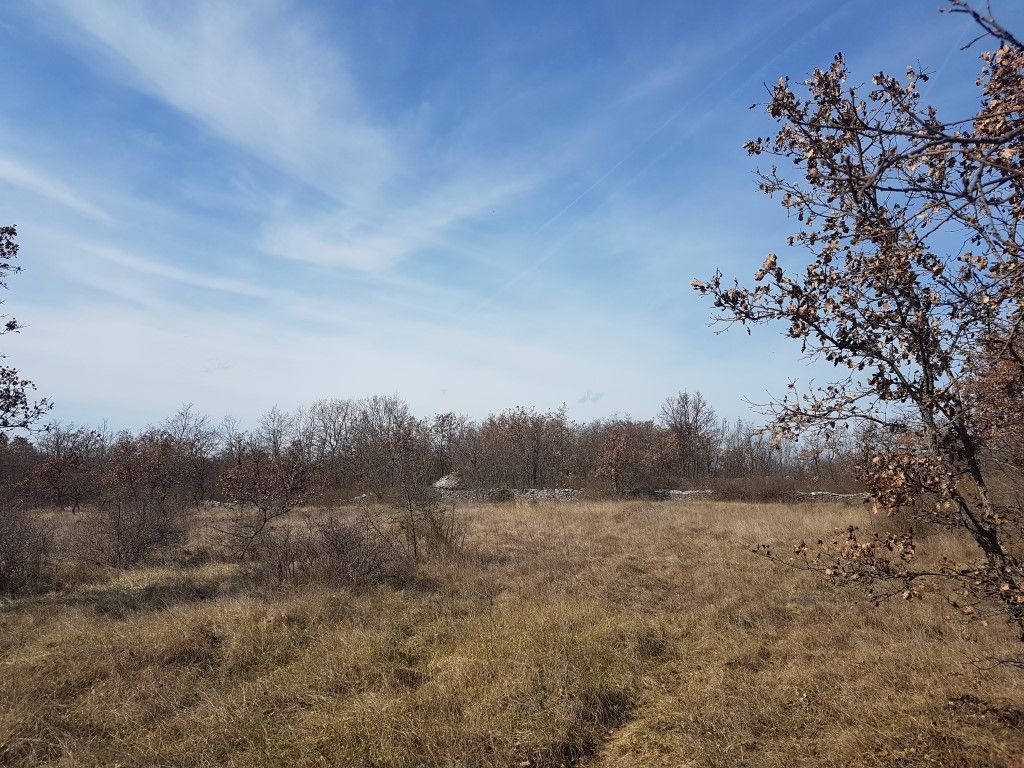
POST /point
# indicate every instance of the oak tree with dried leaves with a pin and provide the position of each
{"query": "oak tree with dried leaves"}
(636, 454)
(911, 288)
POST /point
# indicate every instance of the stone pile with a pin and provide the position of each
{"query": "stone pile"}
(547, 494)
(830, 495)
(674, 494)
(670, 494)
(511, 494)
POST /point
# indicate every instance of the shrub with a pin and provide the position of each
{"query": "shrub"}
(122, 535)
(331, 551)
(143, 505)
(25, 548)
(428, 525)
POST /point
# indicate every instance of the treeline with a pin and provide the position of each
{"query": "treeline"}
(337, 449)
(191, 489)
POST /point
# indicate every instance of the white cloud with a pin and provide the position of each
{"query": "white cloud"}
(374, 243)
(257, 75)
(167, 272)
(260, 76)
(39, 183)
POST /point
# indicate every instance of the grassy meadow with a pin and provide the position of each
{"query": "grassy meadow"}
(580, 634)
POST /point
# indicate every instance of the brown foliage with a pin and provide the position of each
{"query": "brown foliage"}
(634, 455)
(886, 187)
(143, 507)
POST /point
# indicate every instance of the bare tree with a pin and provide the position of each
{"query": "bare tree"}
(144, 504)
(450, 435)
(329, 430)
(196, 442)
(693, 422)
(398, 466)
(70, 470)
(522, 447)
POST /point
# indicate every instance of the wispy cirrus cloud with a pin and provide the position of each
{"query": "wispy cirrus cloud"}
(163, 272)
(376, 243)
(37, 182)
(260, 77)
(255, 74)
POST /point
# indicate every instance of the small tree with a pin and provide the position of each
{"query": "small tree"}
(70, 469)
(401, 473)
(693, 422)
(266, 483)
(636, 455)
(195, 442)
(144, 503)
(913, 286)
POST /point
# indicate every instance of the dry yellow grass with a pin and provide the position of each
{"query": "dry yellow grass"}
(604, 634)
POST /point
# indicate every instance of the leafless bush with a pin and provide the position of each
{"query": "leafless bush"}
(430, 526)
(25, 547)
(122, 534)
(328, 550)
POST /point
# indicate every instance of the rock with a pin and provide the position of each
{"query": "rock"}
(510, 494)
(674, 494)
(670, 494)
(450, 482)
(214, 504)
(830, 495)
(547, 494)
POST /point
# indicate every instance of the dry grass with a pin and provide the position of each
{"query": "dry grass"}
(606, 634)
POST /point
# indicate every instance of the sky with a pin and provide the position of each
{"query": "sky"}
(470, 204)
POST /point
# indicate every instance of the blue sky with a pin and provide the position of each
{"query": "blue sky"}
(471, 204)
